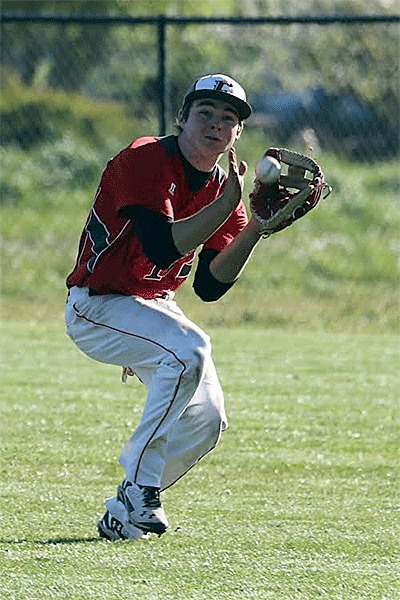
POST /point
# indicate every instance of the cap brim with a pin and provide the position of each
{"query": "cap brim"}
(242, 108)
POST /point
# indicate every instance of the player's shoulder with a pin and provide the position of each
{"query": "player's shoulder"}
(166, 144)
(144, 151)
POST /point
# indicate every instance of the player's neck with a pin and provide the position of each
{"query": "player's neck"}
(199, 160)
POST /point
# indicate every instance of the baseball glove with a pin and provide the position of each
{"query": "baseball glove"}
(277, 205)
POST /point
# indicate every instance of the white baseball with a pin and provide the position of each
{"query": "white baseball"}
(268, 169)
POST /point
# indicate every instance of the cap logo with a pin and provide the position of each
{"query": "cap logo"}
(219, 86)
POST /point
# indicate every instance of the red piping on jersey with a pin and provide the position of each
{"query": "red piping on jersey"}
(79, 315)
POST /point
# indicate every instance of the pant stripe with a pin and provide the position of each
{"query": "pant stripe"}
(81, 316)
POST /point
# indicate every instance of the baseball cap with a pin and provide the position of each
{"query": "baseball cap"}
(221, 87)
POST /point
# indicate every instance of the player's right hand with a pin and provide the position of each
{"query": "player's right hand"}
(235, 182)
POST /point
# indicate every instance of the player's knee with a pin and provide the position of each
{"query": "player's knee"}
(215, 425)
(197, 354)
(210, 414)
(216, 407)
(217, 421)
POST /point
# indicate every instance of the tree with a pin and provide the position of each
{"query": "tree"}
(37, 50)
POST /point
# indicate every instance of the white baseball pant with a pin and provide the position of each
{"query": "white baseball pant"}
(184, 412)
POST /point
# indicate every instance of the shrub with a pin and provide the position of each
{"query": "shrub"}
(30, 118)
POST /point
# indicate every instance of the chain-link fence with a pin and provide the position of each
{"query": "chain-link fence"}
(330, 84)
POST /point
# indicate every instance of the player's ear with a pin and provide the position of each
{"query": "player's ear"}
(181, 116)
(239, 131)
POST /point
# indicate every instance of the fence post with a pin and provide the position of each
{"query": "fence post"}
(162, 75)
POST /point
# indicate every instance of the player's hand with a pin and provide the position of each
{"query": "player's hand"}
(235, 182)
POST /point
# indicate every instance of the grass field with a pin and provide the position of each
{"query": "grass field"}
(299, 499)
(297, 502)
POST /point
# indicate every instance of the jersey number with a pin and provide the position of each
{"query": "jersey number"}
(158, 274)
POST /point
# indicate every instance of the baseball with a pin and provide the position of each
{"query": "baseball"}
(268, 169)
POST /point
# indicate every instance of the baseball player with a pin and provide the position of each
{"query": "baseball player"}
(159, 201)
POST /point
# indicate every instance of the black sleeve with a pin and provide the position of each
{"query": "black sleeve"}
(154, 232)
(205, 285)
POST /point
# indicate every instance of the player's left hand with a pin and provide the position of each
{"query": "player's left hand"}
(297, 191)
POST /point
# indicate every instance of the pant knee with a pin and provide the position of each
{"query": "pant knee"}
(196, 356)
(208, 417)
(216, 423)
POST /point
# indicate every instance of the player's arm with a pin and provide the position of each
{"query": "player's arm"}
(191, 232)
(164, 241)
(227, 265)
(205, 285)
(217, 271)
(154, 232)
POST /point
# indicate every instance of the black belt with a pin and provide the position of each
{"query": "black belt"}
(93, 292)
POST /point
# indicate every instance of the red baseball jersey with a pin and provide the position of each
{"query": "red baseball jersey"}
(147, 173)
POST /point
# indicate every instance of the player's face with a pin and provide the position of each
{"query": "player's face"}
(212, 126)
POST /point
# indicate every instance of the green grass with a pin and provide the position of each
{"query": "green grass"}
(297, 502)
